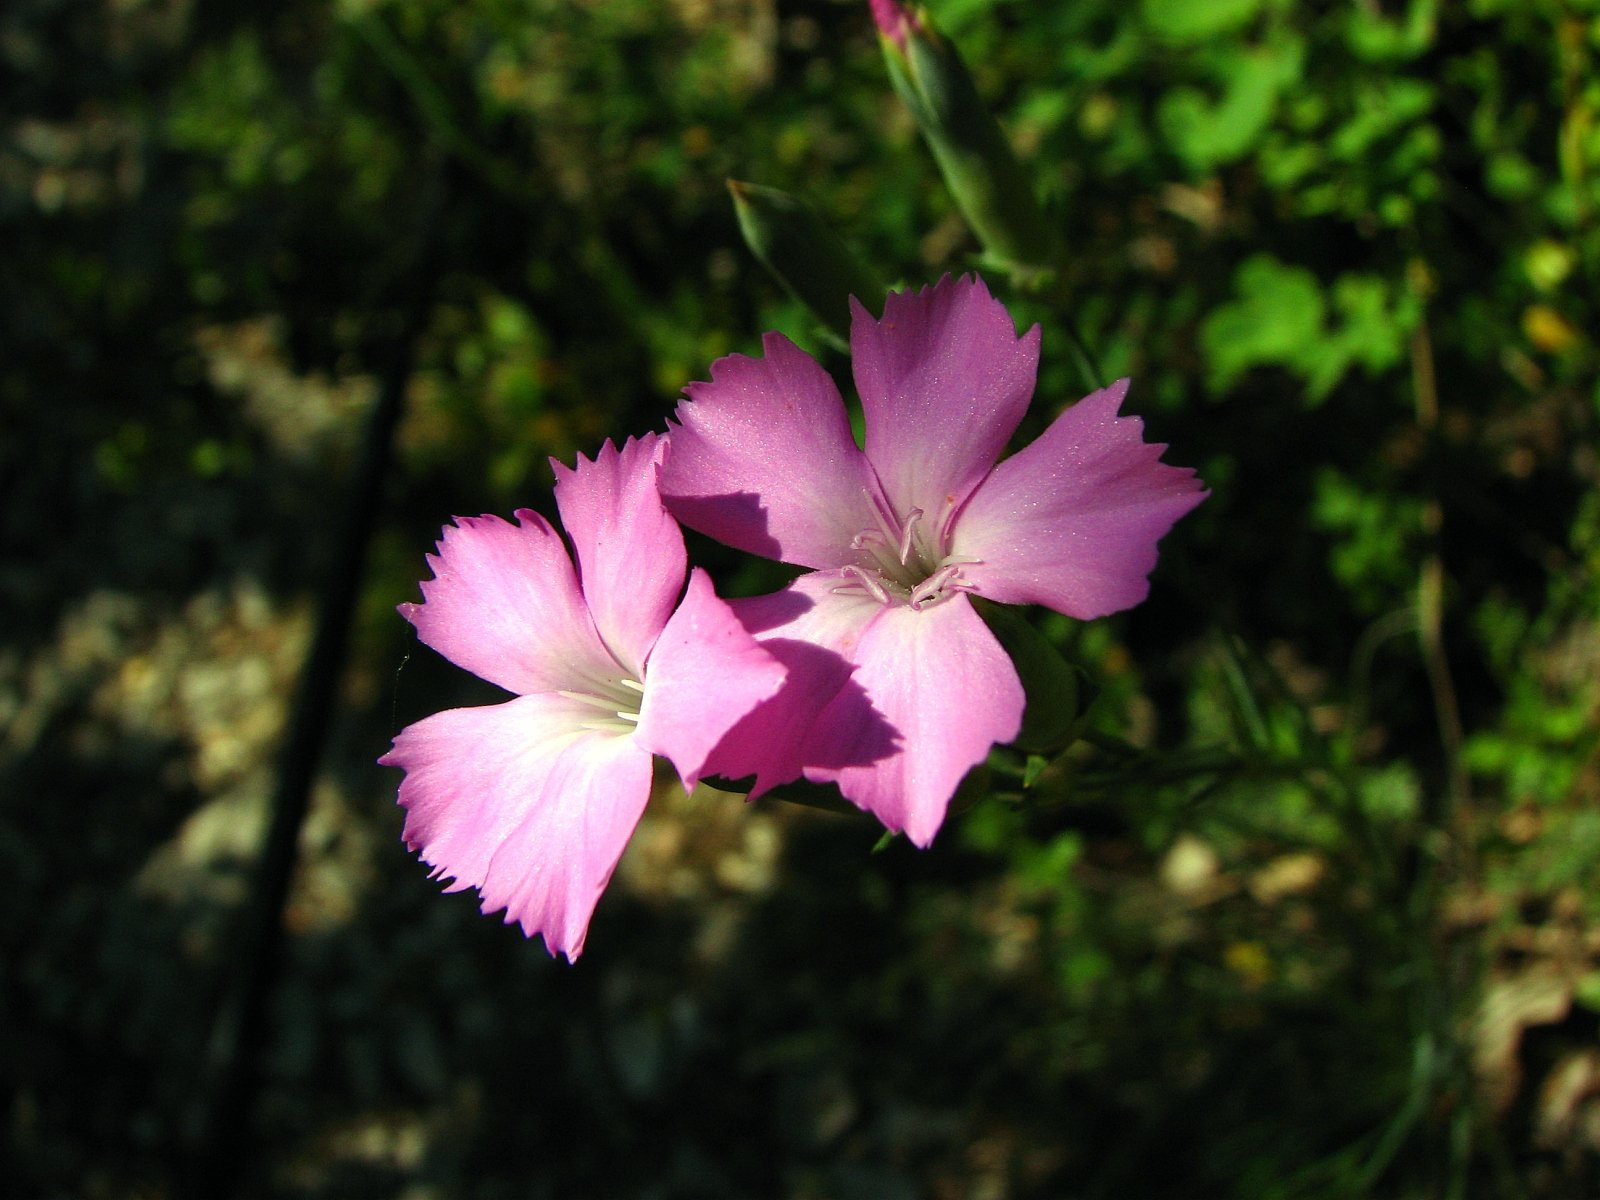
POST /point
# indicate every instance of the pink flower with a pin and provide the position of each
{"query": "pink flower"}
(532, 801)
(900, 535)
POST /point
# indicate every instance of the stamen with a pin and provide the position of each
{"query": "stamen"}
(908, 533)
(948, 520)
(630, 718)
(867, 580)
(930, 587)
(635, 686)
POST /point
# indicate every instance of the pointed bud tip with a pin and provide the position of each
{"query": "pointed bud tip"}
(893, 20)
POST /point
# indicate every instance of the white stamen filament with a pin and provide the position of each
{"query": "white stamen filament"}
(887, 525)
(587, 698)
(618, 712)
(625, 725)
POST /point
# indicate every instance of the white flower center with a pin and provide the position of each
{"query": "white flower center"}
(904, 561)
(616, 703)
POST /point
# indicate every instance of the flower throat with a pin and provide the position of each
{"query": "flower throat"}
(904, 561)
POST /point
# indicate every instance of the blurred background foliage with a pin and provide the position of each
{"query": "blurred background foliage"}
(1312, 911)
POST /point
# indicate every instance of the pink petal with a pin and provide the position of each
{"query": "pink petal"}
(763, 459)
(630, 552)
(944, 381)
(550, 873)
(705, 673)
(811, 631)
(523, 803)
(941, 680)
(504, 603)
(1072, 520)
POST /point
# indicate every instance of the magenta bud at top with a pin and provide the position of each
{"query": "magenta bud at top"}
(893, 19)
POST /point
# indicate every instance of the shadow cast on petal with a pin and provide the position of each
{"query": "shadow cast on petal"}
(720, 516)
(776, 742)
(855, 733)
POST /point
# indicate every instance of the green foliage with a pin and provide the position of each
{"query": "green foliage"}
(1282, 317)
(1184, 21)
(1249, 81)
(1375, 539)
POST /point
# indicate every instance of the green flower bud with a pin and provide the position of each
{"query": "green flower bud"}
(979, 167)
